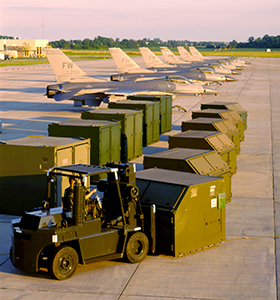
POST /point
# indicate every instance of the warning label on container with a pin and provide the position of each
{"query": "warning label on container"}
(213, 202)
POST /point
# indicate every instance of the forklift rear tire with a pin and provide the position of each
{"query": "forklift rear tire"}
(137, 247)
(63, 262)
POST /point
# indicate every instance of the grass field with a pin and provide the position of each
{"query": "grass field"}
(77, 55)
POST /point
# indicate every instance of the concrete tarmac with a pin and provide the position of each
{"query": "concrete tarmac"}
(245, 266)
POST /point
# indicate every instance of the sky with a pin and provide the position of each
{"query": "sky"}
(193, 20)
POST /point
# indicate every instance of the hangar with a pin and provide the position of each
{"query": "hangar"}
(23, 47)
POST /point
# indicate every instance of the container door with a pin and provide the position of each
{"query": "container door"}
(168, 113)
(216, 162)
(149, 124)
(130, 136)
(231, 152)
(235, 117)
(156, 123)
(216, 143)
(230, 127)
(220, 126)
(213, 222)
(81, 154)
(238, 107)
(138, 134)
(226, 141)
(104, 148)
(115, 142)
(63, 157)
(201, 165)
(226, 115)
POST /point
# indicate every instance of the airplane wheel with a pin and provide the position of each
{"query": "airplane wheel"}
(137, 247)
(63, 263)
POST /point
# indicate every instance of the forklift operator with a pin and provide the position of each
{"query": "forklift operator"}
(69, 195)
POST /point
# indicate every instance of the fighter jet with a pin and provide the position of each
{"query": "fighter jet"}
(66, 70)
(91, 92)
(171, 58)
(197, 55)
(186, 56)
(219, 68)
(129, 70)
(152, 61)
(235, 61)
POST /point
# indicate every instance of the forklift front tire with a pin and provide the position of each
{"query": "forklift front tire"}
(137, 247)
(63, 262)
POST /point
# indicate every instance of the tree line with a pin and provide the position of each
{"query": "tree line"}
(265, 42)
(103, 43)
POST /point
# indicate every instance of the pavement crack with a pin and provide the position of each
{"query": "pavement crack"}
(127, 283)
(4, 262)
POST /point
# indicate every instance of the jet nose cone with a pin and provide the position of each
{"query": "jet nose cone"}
(229, 78)
(234, 72)
(208, 90)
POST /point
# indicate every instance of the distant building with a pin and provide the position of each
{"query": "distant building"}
(23, 48)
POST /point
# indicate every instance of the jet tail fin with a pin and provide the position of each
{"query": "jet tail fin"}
(195, 53)
(170, 57)
(124, 63)
(185, 55)
(151, 60)
(64, 68)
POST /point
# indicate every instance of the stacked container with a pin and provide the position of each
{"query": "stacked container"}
(207, 140)
(214, 124)
(227, 105)
(203, 162)
(24, 164)
(231, 115)
(165, 109)
(131, 129)
(105, 137)
(150, 117)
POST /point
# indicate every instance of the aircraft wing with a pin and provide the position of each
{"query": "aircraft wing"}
(65, 95)
(125, 91)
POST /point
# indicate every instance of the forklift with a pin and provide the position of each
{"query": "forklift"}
(58, 238)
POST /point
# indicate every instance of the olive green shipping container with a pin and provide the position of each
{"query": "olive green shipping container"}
(203, 162)
(165, 109)
(105, 137)
(189, 209)
(131, 128)
(231, 115)
(24, 166)
(207, 140)
(227, 105)
(214, 124)
(150, 117)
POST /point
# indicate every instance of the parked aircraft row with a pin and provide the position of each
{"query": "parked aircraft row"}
(129, 70)
(158, 77)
